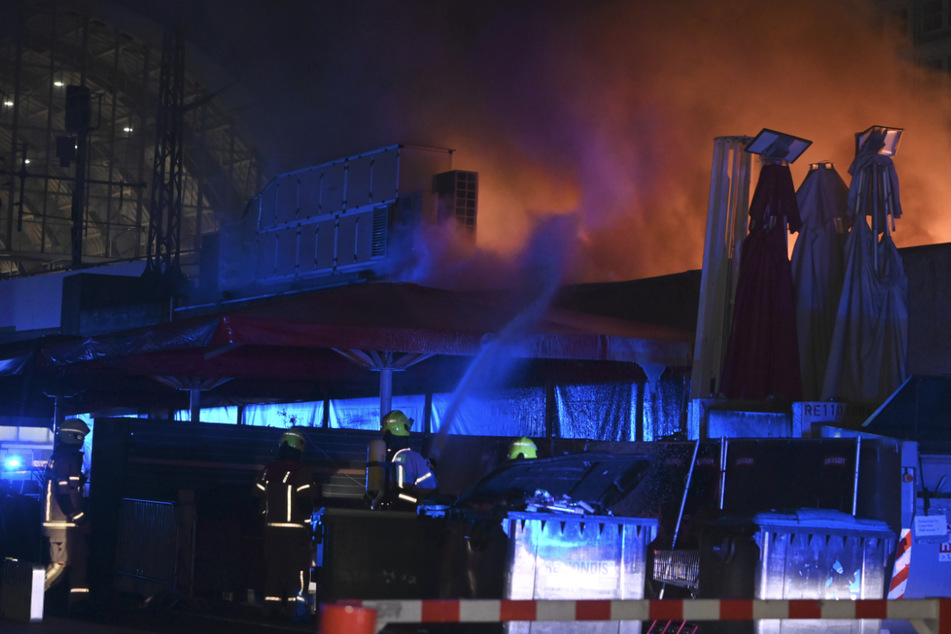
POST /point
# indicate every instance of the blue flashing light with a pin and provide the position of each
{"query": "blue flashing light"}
(13, 463)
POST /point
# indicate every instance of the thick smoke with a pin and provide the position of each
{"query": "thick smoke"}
(603, 110)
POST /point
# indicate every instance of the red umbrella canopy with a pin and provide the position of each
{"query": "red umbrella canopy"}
(762, 355)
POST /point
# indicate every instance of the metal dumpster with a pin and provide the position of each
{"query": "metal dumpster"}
(576, 557)
(538, 529)
(367, 554)
(562, 541)
(799, 554)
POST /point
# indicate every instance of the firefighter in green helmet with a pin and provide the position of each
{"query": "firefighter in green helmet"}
(523, 448)
(397, 475)
(288, 492)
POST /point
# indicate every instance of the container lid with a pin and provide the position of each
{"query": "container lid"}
(598, 479)
(811, 519)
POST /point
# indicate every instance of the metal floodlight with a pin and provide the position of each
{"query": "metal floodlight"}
(884, 138)
(777, 146)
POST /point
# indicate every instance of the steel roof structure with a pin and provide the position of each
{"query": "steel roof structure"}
(44, 49)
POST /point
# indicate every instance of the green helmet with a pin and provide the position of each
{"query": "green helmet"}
(523, 447)
(293, 439)
(396, 423)
(72, 432)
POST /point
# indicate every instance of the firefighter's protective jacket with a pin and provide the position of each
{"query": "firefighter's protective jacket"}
(63, 497)
(63, 519)
(414, 475)
(287, 488)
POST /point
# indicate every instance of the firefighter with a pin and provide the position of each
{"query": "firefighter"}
(411, 475)
(286, 487)
(523, 448)
(65, 524)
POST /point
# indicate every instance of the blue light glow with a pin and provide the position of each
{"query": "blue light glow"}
(13, 463)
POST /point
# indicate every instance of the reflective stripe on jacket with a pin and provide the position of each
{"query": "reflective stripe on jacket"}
(413, 470)
(288, 491)
(63, 496)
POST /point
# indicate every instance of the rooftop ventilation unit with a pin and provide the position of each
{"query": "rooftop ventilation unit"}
(457, 196)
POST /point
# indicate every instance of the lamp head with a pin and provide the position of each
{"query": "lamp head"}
(777, 146)
(878, 139)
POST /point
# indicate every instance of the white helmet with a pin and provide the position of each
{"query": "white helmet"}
(72, 432)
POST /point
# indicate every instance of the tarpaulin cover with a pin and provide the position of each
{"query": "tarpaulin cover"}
(603, 412)
(15, 362)
(818, 269)
(505, 412)
(762, 355)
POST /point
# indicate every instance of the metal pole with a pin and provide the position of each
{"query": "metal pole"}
(855, 488)
(58, 416)
(78, 206)
(723, 452)
(386, 391)
(194, 400)
(683, 503)
(683, 500)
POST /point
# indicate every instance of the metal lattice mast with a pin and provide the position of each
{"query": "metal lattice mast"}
(166, 197)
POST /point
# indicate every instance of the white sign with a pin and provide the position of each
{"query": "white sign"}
(931, 526)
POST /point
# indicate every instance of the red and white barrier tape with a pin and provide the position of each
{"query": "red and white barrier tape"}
(928, 611)
(896, 589)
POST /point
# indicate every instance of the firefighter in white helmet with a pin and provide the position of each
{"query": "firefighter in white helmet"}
(65, 524)
(286, 487)
(409, 476)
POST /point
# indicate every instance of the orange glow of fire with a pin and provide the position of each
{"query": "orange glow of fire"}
(608, 111)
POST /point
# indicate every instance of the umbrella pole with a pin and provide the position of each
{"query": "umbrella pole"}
(875, 202)
(194, 400)
(860, 195)
(889, 207)
(386, 390)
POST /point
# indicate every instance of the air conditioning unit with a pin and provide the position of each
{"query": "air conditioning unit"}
(457, 196)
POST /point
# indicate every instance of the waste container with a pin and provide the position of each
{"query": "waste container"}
(537, 529)
(562, 542)
(798, 554)
(553, 556)
(367, 554)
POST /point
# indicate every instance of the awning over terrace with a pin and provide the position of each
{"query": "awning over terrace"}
(382, 316)
(323, 337)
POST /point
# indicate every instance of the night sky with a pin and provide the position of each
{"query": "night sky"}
(602, 110)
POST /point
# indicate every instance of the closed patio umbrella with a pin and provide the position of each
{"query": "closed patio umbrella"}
(818, 269)
(868, 352)
(762, 355)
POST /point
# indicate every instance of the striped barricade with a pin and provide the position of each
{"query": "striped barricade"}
(932, 615)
